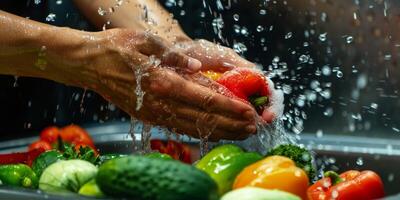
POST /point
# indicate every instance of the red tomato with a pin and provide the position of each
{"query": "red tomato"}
(76, 135)
(40, 144)
(50, 134)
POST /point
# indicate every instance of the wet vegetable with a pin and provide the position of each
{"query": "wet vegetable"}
(224, 163)
(301, 156)
(247, 84)
(46, 159)
(274, 172)
(140, 178)
(253, 193)
(91, 189)
(349, 185)
(18, 175)
(67, 176)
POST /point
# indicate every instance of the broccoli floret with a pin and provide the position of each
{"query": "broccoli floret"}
(301, 156)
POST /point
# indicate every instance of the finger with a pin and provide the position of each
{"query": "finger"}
(268, 116)
(175, 87)
(221, 122)
(166, 108)
(188, 127)
(214, 56)
(162, 49)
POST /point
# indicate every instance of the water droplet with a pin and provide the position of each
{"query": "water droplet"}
(374, 106)
(218, 23)
(259, 28)
(51, 17)
(239, 47)
(322, 37)
(320, 133)
(349, 39)
(244, 31)
(170, 3)
(101, 11)
(328, 112)
(304, 58)
(391, 177)
(339, 74)
(360, 161)
(236, 17)
(326, 70)
(288, 35)
(263, 12)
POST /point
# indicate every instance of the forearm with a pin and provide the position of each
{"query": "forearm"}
(29, 48)
(135, 14)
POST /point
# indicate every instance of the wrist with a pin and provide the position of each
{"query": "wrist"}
(62, 55)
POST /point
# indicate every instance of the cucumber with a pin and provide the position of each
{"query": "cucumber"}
(140, 178)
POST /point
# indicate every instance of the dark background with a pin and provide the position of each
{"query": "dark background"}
(291, 31)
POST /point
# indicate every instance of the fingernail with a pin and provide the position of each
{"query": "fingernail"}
(228, 65)
(194, 64)
(250, 128)
(249, 114)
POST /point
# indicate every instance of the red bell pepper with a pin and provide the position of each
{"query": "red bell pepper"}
(176, 150)
(21, 157)
(246, 84)
(350, 185)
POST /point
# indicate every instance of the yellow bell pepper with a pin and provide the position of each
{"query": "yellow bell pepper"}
(274, 172)
(212, 75)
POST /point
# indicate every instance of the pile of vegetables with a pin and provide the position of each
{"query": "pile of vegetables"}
(65, 161)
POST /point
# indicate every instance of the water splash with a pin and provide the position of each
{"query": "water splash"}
(145, 139)
(132, 130)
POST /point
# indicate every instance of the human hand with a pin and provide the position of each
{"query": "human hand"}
(119, 62)
(218, 58)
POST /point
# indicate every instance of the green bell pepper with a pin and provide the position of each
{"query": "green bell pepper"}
(224, 163)
(20, 175)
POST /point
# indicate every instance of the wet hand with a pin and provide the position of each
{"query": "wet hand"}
(219, 58)
(130, 64)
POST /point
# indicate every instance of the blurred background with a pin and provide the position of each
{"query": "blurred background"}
(335, 60)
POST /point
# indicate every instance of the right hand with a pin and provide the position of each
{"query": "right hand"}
(110, 60)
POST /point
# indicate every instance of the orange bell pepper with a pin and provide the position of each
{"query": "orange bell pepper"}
(274, 172)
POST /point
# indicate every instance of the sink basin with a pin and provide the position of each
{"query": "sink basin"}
(337, 153)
